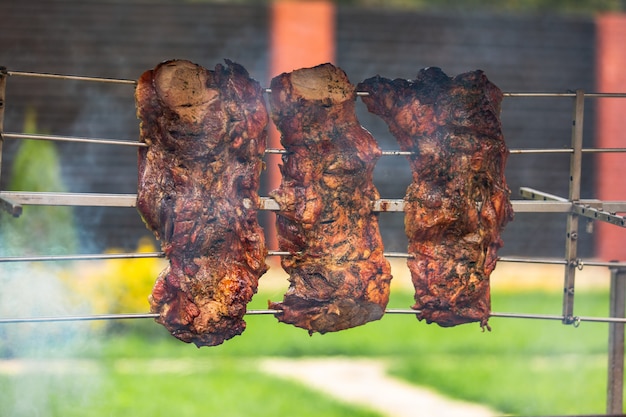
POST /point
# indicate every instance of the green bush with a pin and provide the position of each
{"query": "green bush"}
(117, 286)
(40, 229)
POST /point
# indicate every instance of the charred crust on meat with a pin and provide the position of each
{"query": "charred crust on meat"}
(338, 275)
(458, 203)
(198, 192)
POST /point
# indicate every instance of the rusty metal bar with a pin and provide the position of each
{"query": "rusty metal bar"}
(615, 372)
(571, 240)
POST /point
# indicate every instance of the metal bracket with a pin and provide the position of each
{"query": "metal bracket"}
(593, 209)
(11, 207)
(598, 214)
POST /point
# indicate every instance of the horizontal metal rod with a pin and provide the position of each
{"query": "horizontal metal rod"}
(135, 255)
(603, 150)
(83, 257)
(17, 198)
(511, 151)
(71, 77)
(527, 95)
(58, 138)
(534, 194)
(604, 95)
(124, 142)
(513, 259)
(78, 318)
(567, 94)
(576, 320)
(267, 203)
(540, 151)
(527, 316)
(565, 150)
(269, 90)
(384, 153)
(538, 95)
(525, 206)
(70, 199)
(608, 264)
(97, 317)
(144, 255)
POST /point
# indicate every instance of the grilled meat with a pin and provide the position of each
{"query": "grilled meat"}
(458, 202)
(197, 191)
(339, 277)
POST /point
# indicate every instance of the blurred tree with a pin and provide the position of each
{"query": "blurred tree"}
(40, 229)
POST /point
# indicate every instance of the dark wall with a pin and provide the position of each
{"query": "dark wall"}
(517, 53)
(116, 40)
(121, 40)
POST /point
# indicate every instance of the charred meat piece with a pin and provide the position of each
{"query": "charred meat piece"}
(458, 202)
(198, 193)
(339, 277)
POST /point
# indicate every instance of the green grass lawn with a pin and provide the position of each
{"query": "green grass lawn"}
(226, 389)
(522, 367)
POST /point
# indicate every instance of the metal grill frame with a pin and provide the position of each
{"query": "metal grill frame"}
(533, 201)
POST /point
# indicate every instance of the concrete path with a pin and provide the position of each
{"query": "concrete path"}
(365, 382)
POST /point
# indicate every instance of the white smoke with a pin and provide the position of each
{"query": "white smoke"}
(30, 350)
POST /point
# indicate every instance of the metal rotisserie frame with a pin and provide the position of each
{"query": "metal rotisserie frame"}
(531, 201)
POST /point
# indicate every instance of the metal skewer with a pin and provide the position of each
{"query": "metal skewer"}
(124, 142)
(269, 90)
(71, 77)
(391, 311)
(58, 138)
(266, 203)
(133, 255)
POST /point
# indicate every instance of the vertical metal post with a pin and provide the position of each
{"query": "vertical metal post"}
(615, 382)
(571, 241)
(3, 85)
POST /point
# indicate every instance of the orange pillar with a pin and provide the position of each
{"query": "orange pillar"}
(302, 35)
(611, 128)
